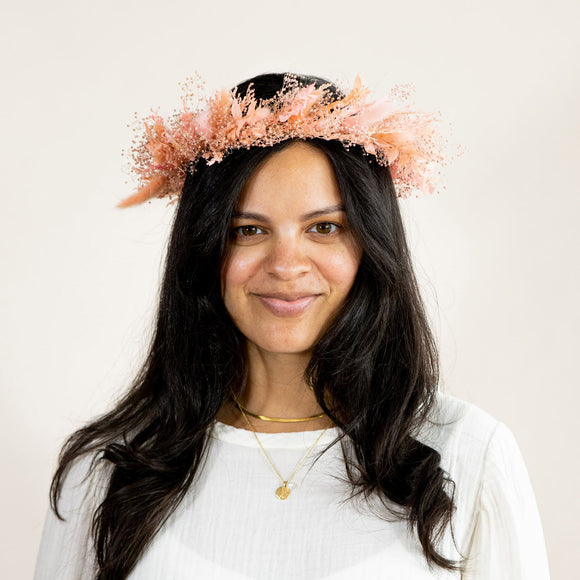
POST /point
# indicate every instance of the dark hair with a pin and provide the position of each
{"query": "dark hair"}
(378, 385)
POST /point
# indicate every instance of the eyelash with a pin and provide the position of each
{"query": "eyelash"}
(236, 232)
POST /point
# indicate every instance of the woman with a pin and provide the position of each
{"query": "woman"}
(286, 422)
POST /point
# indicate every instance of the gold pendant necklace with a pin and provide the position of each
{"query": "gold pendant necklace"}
(282, 492)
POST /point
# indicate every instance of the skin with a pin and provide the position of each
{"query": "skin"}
(285, 278)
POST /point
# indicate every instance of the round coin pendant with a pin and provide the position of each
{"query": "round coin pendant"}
(283, 492)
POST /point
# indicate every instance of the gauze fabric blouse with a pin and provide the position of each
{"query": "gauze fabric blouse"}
(231, 525)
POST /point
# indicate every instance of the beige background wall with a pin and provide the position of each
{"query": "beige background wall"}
(496, 251)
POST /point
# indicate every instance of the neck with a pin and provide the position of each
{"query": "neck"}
(275, 388)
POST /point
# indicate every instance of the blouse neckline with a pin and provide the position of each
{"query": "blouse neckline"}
(294, 440)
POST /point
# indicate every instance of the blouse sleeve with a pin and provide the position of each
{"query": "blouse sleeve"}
(66, 551)
(507, 542)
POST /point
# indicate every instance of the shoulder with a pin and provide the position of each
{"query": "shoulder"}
(477, 451)
(497, 523)
(66, 548)
(473, 443)
(462, 432)
(83, 484)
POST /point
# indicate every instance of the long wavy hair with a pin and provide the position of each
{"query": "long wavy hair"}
(378, 386)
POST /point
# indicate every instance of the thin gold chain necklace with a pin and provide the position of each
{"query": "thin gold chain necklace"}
(282, 492)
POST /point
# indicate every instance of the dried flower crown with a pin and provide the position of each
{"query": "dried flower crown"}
(405, 140)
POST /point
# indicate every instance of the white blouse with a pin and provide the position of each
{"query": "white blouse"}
(231, 525)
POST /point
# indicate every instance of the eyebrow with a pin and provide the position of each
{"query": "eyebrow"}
(307, 216)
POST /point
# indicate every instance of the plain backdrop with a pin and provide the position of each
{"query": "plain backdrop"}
(495, 250)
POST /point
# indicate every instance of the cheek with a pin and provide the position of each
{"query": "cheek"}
(341, 269)
(238, 269)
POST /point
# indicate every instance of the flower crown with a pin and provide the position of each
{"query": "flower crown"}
(405, 140)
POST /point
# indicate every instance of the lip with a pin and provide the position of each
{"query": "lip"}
(286, 305)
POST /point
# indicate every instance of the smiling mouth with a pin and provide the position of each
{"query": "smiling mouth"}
(286, 305)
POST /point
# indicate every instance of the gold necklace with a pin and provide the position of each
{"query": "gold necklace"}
(282, 492)
(276, 419)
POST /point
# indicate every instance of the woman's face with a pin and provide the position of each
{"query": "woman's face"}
(291, 260)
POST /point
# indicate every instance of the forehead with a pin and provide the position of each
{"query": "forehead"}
(297, 176)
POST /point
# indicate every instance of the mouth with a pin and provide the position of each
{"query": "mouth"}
(287, 305)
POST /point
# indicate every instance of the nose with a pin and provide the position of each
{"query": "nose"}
(287, 259)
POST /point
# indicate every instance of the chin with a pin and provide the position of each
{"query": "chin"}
(286, 345)
(291, 350)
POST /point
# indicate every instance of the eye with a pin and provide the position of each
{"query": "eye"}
(246, 231)
(326, 228)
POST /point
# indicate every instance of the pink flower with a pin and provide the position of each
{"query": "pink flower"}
(202, 124)
(302, 102)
